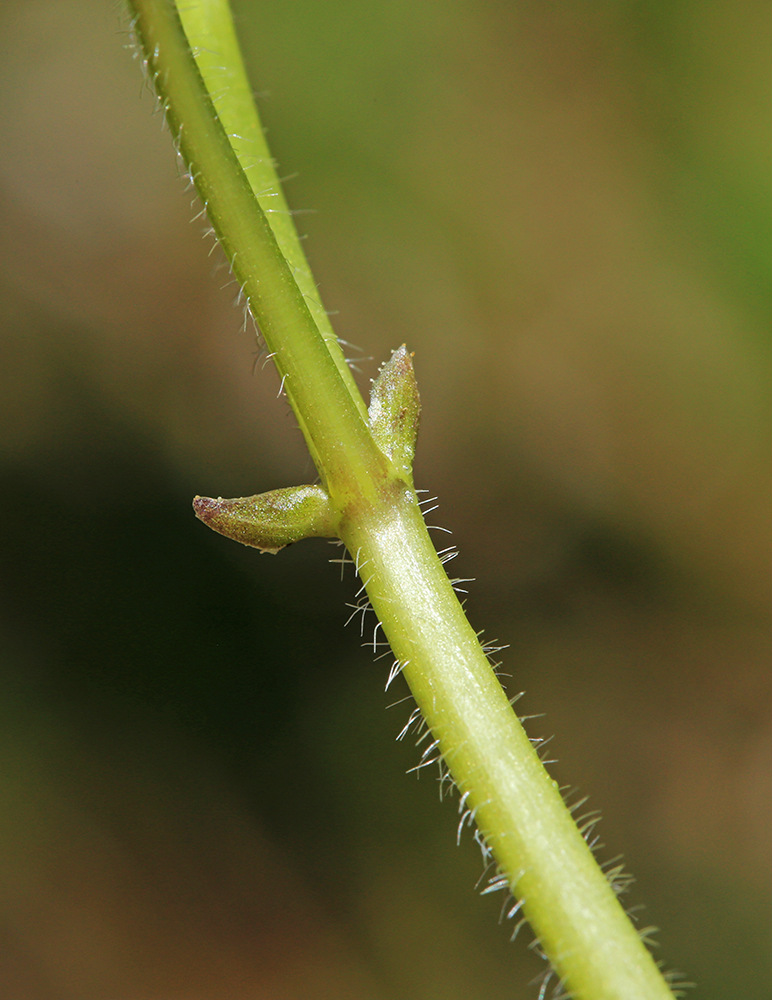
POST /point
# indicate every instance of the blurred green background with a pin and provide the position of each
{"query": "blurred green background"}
(565, 210)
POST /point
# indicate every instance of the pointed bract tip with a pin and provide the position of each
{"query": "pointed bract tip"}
(269, 521)
(204, 508)
(395, 408)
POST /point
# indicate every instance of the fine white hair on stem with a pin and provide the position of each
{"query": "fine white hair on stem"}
(495, 884)
(467, 819)
(375, 642)
(485, 849)
(360, 608)
(446, 784)
(396, 669)
(400, 701)
(677, 982)
(345, 559)
(415, 716)
(426, 759)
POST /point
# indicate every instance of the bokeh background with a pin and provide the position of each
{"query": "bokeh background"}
(565, 210)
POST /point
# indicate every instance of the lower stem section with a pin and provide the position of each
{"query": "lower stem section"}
(518, 808)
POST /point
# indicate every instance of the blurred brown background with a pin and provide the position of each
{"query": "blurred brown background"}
(565, 210)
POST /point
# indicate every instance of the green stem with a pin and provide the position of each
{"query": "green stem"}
(218, 57)
(330, 416)
(543, 856)
(518, 808)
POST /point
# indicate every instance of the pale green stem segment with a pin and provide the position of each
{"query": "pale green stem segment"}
(333, 424)
(368, 500)
(209, 27)
(504, 786)
(568, 901)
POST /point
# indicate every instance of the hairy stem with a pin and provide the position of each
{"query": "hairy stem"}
(540, 853)
(330, 416)
(518, 808)
(218, 57)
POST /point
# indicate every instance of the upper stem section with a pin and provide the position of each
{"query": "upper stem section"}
(209, 28)
(330, 417)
